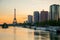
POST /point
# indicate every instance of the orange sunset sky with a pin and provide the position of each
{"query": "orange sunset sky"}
(23, 8)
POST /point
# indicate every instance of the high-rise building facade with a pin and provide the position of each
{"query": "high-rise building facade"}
(54, 12)
(30, 18)
(44, 15)
(40, 17)
(36, 16)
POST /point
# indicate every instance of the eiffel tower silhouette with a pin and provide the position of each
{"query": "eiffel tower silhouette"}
(14, 20)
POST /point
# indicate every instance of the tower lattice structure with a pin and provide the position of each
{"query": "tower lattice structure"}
(14, 20)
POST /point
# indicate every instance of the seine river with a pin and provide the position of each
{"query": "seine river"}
(19, 33)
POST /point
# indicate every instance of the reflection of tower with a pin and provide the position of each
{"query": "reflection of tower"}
(14, 21)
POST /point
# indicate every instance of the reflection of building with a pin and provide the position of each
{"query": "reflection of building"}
(14, 21)
(55, 35)
(44, 15)
(36, 16)
(54, 32)
(54, 12)
(30, 19)
(41, 35)
(58, 34)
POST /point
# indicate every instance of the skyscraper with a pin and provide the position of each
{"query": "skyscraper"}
(44, 15)
(54, 12)
(40, 17)
(36, 16)
(30, 18)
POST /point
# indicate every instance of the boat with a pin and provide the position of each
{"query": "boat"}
(5, 25)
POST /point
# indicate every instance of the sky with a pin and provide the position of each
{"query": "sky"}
(23, 9)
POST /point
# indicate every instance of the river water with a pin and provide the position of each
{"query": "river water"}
(19, 33)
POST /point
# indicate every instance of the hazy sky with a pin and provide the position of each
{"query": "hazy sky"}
(23, 8)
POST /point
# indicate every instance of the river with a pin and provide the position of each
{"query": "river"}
(19, 33)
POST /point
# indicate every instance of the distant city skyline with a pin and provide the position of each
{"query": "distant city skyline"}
(23, 8)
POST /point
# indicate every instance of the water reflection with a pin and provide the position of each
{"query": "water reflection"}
(41, 35)
(19, 33)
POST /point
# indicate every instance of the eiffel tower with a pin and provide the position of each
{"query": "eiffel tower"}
(14, 20)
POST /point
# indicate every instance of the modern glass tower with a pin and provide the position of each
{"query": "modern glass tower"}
(44, 15)
(54, 12)
(30, 19)
(36, 16)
